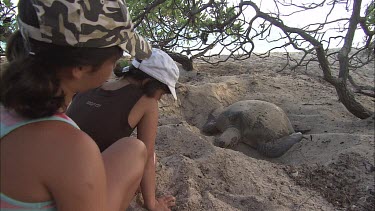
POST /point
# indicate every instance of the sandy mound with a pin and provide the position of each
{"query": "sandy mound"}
(332, 168)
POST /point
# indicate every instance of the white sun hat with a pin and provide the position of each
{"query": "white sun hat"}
(161, 67)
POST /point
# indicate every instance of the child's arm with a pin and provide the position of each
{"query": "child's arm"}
(146, 132)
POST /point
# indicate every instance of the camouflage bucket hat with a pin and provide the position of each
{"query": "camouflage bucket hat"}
(85, 23)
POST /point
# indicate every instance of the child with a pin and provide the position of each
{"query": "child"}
(115, 109)
(47, 163)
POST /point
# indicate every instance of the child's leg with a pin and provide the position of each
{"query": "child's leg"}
(124, 162)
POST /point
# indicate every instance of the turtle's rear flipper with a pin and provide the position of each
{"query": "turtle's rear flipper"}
(278, 147)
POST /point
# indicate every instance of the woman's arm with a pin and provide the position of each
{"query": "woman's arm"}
(76, 175)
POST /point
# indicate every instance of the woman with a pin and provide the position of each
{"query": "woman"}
(47, 163)
(115, 109)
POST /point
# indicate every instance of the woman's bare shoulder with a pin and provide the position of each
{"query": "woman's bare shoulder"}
(70, 140)
(75, 165)
(48, 141)
(54, 153)
(60, 134)
(69, 150)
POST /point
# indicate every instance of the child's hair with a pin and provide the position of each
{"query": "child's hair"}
(150, 87)
(30, 82)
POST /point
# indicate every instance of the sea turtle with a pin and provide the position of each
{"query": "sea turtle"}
(259, 124)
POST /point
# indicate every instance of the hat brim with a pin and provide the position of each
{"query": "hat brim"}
(173, 92)
(137, 46)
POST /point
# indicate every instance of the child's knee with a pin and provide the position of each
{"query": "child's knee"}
(134, 145)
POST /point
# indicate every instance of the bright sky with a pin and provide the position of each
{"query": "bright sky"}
(304, 18)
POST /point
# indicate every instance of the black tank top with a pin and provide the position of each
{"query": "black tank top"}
(103, 114)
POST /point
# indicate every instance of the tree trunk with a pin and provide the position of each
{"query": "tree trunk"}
(345, 95)
(347, 99)
(186, 63)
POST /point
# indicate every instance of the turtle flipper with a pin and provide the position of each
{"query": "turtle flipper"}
(278, 147)
(210, 126)
(230, 137)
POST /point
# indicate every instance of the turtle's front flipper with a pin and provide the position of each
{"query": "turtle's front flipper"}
(278, 147)
(230, 137)
(210, 126)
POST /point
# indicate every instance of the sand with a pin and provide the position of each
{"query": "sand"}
(332, 168)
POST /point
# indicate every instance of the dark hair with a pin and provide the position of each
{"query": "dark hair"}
(150, 87)
(29, 83)
(15, 47)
